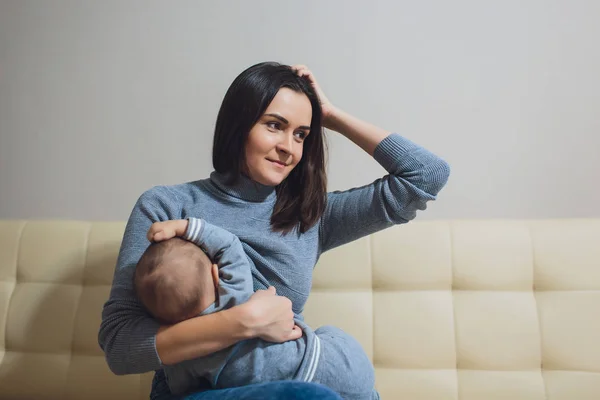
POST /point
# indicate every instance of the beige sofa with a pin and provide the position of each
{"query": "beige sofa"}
(447, 309)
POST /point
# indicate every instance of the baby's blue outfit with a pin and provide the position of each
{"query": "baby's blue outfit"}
(328, 355)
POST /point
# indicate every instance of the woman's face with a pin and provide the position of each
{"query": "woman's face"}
(274, 145)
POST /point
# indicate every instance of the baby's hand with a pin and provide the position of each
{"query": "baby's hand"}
(165, 230)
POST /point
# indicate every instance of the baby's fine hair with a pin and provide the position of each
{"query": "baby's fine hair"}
(172, 278)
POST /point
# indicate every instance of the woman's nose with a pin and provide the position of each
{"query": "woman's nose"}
(285, 144)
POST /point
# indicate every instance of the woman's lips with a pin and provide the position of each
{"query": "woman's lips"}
(278, 163)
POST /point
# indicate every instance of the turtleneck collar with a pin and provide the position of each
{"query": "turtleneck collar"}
(243, 187)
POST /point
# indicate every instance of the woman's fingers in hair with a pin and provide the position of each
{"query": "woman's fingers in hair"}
(301, 70)
(298, 67)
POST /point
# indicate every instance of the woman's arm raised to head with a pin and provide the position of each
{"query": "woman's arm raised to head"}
(415, 177)
(133, 342)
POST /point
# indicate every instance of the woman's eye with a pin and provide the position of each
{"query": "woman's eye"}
(301, 135)
(273, 125)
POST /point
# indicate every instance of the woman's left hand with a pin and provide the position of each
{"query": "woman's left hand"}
(326, 106)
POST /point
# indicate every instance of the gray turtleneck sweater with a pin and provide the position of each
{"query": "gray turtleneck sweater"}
(415, 176)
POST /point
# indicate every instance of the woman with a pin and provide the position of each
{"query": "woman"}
(268, 188)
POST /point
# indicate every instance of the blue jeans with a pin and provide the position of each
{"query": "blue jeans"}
(288, 390)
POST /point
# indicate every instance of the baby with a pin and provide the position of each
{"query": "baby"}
(175, 280)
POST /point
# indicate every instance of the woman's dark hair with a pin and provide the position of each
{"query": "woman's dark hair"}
(301, 197)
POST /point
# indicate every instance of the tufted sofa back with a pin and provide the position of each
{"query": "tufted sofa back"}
(465, 310)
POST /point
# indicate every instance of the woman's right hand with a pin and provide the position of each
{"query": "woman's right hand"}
(270, 317)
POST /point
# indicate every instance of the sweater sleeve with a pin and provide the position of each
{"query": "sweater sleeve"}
(415, 178)
(225, 249)
(127, 332)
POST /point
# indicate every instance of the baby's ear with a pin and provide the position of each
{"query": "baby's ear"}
(215, 274)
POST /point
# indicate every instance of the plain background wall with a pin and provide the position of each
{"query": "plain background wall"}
(100, 100)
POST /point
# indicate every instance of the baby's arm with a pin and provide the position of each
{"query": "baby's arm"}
(225, 249)
(222, 247)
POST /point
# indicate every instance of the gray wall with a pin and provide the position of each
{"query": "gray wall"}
(100, 100)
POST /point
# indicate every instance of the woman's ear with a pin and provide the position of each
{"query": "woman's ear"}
(215, 275)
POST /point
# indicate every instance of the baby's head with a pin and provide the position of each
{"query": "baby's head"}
(175, 280)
